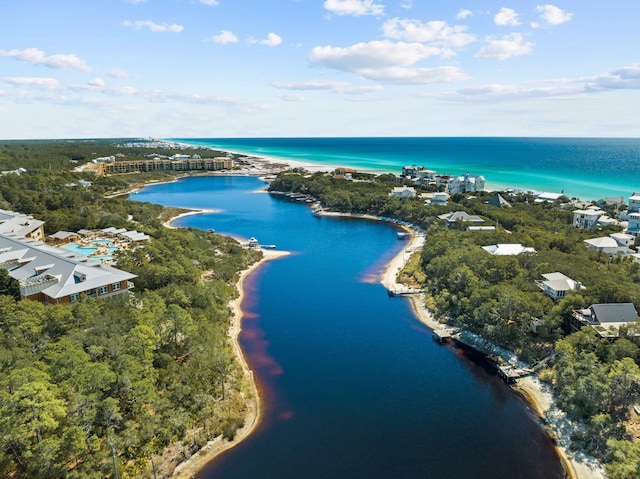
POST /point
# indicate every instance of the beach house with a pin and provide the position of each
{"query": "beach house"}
(509, 249)
(403, 192)
(557, 285)
(465, 184)
(606, 319)
(459, 217)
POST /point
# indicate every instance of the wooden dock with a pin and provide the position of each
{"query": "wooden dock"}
(440, 335)
(396, 292)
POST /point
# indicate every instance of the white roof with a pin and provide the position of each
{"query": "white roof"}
(509, 249)
(602, 242)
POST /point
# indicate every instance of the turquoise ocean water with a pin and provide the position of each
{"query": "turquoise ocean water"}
(587, 168)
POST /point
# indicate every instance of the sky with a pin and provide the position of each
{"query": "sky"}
(309, 68)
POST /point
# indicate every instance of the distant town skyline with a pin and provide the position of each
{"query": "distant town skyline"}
(296, 68)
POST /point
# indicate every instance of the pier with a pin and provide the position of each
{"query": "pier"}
(396, 292)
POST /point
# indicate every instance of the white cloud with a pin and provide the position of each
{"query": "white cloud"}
(312, 85)
(416, 76)
(372, 55)
(511, 45)
(625, 78)
(118, 73)
(355, 8)
(225, 36)
(328, 85)
(463, 13)
(506, 17)
(437, 32)
(509, 93)
(210, 3)
(552, 15)
(296, 97)
(407, 4)
(37, 57)
(272, 40)
(386, 61)
(154, 27)
(49, 84)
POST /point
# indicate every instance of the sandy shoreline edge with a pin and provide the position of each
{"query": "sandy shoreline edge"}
(578, 466)
(188, 468)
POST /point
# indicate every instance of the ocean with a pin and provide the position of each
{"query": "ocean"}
(585, 168)
(353, 386)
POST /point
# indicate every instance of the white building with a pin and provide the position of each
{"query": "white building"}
(511, 249)
(403, 192)
(557, 285)
(465, 184)
(587, 218)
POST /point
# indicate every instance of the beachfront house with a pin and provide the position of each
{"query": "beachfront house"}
(587, 218)
(465, 184)
(634, 203)
(557, 285)
(509, 249)
(605, 319)
(633, 225)
(403, 192)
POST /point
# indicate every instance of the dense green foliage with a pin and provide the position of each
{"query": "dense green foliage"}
(120, 380)
(596, 380)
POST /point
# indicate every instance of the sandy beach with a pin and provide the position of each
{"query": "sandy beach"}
(170, 221)
(188, 468)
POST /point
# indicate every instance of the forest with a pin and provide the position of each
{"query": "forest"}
(123, 386)
(596, 380)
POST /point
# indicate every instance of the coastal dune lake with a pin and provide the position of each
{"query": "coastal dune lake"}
(352, 385)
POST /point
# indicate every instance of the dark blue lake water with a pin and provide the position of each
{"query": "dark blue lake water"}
(353, 385)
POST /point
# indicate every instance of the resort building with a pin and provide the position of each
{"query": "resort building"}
(605, 319)
(557, 285)
(20, 225)
(182, 164)
(53, 275)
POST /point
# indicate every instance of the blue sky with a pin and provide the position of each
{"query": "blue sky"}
(249, 68)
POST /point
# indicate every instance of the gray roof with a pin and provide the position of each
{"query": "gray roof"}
(32, 262)
(463, 216)
(614, 312)
(17, 223)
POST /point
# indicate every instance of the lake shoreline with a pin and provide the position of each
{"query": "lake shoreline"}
(188, 468)
(577, 468)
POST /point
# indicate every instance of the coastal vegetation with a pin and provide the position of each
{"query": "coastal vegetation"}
(597, 381)
(128, 384)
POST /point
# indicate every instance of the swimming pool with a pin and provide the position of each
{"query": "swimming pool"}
(84, 250)
(102, 241)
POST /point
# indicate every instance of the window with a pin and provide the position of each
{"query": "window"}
(115, 286)
(103, 290)
(74, 297)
